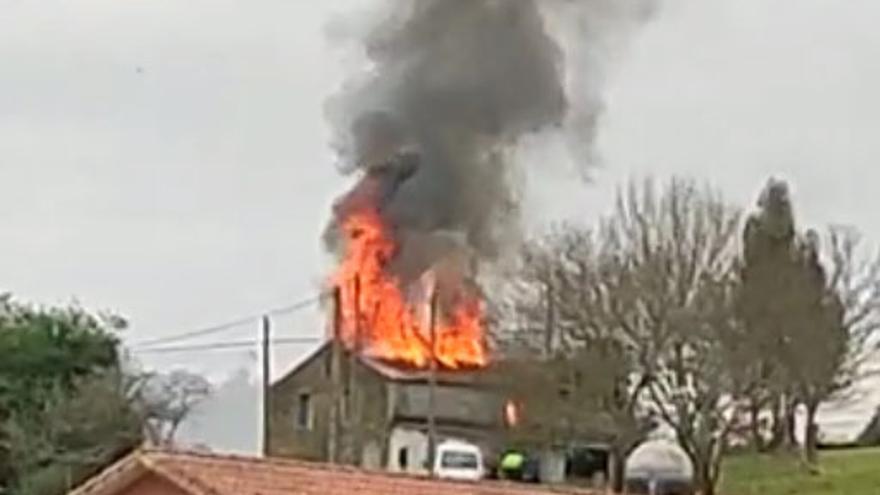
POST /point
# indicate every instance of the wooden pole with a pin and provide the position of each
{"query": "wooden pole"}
(335, 362)
(267, 385)
(432, 385)
(353, 408)
(550, 322)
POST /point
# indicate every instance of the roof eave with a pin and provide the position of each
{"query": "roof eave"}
(114, 478)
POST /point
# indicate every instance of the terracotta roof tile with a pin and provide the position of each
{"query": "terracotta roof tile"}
(212, 474)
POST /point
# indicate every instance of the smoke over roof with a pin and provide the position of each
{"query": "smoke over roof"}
(451, 87)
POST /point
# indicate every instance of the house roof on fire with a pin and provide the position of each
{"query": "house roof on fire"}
(398, 372)
(192, 473)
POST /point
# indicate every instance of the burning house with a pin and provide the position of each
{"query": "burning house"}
(407, 350)
(429, 128)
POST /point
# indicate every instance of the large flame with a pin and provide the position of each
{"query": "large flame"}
(376, 318)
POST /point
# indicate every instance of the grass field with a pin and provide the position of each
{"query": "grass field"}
(843, 472)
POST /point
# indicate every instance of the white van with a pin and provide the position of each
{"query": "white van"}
(457, 460)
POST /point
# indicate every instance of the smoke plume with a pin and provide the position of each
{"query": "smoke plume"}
(452, 86)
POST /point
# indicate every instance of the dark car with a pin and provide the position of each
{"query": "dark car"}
(586, 462)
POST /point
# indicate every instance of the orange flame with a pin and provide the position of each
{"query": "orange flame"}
(376, 319)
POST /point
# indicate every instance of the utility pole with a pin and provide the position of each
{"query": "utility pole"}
(267, 393)
(354, 405)
(335, 369)
(432, 385)
(550, 322)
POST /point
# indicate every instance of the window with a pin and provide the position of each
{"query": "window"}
(403, 458)
(346, 405)
(564, 392)
(304, 411)
(459, 460)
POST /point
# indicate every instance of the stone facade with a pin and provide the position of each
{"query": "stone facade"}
(384, 415)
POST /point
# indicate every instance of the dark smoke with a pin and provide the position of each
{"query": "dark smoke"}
(452, 86)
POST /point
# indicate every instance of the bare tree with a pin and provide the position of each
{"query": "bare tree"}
(667, 289)
(649, 298)
(526, 303)
(855, 283)
(592, 316)
(168, 400)
(572, 374)
(658, 298)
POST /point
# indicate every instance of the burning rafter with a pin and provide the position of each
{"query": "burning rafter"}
(378, 320)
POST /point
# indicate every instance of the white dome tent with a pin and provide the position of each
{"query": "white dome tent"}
(659, 466)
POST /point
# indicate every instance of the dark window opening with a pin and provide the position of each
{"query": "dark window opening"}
(403, 458)
(564, 392)
(304, 411)
(346, 412)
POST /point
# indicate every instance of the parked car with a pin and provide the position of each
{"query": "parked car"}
(586, 462)
(458, 460)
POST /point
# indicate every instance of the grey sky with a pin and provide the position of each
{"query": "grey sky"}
(169, 160)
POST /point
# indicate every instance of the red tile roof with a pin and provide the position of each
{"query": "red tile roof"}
(212, 474)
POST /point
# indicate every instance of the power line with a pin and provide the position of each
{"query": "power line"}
(229, 325)
(227, 345)
(196, 333)
(296, 306)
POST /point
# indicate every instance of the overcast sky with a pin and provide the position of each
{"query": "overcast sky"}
(168, 160)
